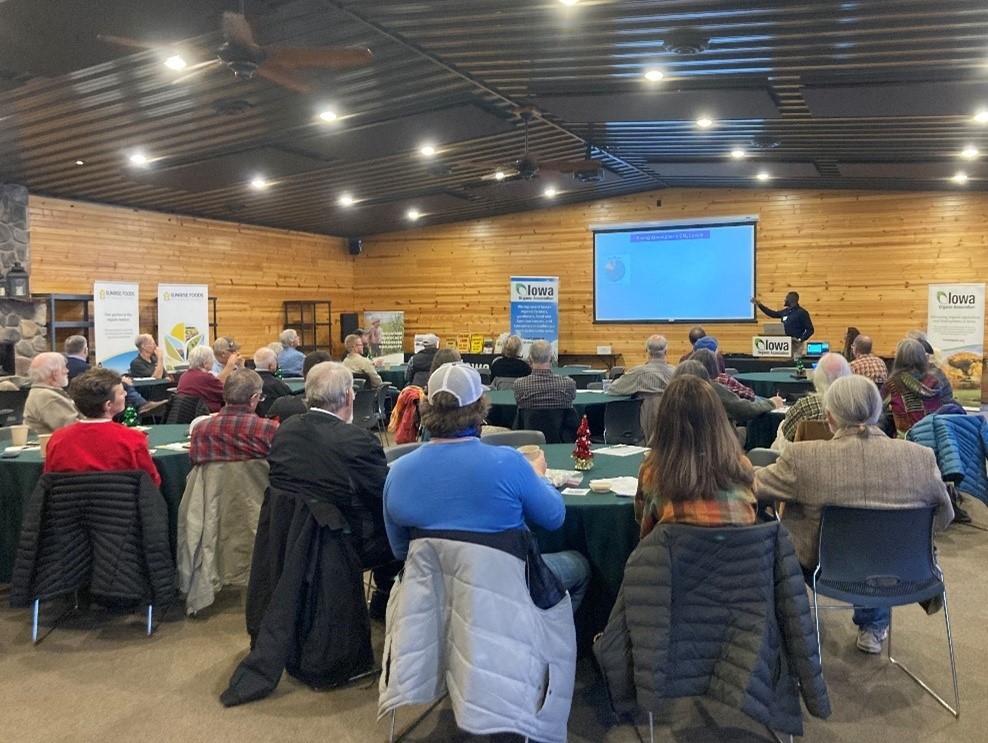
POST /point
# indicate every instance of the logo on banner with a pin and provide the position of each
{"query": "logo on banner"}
(180, 340)
(950, 299)
(534, 292)
(104, 293)
(771, 346)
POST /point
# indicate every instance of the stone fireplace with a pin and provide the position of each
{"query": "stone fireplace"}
(22, 323)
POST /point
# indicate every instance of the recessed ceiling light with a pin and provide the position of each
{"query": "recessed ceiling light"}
(80, 162)
(549, 192)
(427, 150)
(138, 158)
(175, 62)
(569, 2)
(738, 153)
(970, 152)
(704, 123)
(654, 76)
(499, 175)
(981, 117)
(328, 115)
(259, 183)
(413, 214)
(959, 177)
(346, 200)
(763, 176)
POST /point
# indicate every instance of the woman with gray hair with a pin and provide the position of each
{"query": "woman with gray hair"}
(510, 364)
(197, 381)
(912, 390)
(860, 467)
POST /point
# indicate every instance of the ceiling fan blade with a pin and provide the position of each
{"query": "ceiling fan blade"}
(130, 43)
(569, 166)
(333, 58)
(283, 76)
(238, 32)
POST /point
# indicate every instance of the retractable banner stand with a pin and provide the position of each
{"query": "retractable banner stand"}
(116, 323)
(956, 327)
(183, 321)
(535, 310)
(384, 332)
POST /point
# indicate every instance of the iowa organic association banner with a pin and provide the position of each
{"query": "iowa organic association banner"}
(183, 321)
(535, 310)
(116, 323)
(956, 326)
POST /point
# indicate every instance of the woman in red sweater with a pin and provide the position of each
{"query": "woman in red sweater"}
(97, 443)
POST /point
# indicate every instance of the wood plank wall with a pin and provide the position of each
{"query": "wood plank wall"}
(250, 270)
(856, 258)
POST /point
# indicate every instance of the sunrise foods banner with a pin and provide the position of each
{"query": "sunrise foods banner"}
(116, 324)
(183, 321)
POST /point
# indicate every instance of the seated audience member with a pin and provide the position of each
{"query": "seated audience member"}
(77, 359)
(96, 443)
(696, 333)
(48, 406)
(199, 381)
(912, 391)
(543, 389)
(456, 482)
(866, 363)
(320, 455)
(830, 367)
(149, 362)
(226, 358)
(709, 343)
(276, 347)
(695, 472)
(285, 407)
(649, 378)
(76, 355)
(936, 356)
(290, 359)
(236, 433)
(738, 410)
(417, 370)
(849, 335)
(860, 467)
(360, 366)
(510, 365)
(444, 356)
(266, 364)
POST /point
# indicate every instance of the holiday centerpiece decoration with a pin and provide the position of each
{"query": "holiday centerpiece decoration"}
(130, 416)
(800, 368)
(582, 456)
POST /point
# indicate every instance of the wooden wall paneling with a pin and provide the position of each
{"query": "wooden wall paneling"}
(250, 270)
(856, 258)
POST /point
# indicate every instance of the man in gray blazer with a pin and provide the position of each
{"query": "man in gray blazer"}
(861, 467)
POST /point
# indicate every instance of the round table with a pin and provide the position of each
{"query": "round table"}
(295, 384)
(766, 384)
(19, 476)
(153, 389)
(600, 527)
(591, 402)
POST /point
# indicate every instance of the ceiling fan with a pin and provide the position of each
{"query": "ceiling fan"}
(528, 166)
(245, 57)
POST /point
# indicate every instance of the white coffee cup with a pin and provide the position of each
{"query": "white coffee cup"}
(43, 443)
(18, 435)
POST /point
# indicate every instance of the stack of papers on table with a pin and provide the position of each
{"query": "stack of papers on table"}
(561, 478)
(624, 486)
(621, 450)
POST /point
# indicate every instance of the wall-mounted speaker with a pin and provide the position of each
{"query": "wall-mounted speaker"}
(348, 324)
(354, 246)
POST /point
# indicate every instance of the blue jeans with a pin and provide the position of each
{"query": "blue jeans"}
(573, 572)
(877, 619)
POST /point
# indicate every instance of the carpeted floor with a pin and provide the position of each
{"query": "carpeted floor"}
(99, 678)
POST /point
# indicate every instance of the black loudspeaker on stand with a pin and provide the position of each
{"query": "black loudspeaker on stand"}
(348, 324)
(354, 246)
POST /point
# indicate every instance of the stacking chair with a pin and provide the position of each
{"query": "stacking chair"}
(365, 409)
(13, 402)
(614, 372)
(622, 422)
(515, 438)
(881, 558)
(399, 450)
(582, 380)
(107, 531)
(381, 406)
(761, 457)
(649, 413)
(558, 425)
(359, 382)
(807, 430)
(185, 408)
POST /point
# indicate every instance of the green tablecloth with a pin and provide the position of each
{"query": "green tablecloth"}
(503, 408)
(601, 527)
(19, 476)
(764, 383)
(295, 384)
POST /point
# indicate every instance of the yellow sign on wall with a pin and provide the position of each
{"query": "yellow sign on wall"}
(476, 342)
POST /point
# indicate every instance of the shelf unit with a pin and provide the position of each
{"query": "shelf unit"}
(313, 320)
(67, 314)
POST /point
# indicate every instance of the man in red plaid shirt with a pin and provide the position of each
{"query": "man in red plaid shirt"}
(866, 363)
(237, 432)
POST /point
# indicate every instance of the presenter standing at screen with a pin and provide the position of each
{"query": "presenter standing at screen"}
(795, 320)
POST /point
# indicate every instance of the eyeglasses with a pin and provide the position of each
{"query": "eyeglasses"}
(259, 396)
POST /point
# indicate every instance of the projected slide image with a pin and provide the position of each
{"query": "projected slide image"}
(701, 273)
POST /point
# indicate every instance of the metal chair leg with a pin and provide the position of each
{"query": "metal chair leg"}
(651, 728)
(34, 622)
(955, 710)
(150, 609)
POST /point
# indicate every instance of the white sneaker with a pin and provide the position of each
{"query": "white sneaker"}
(870, 640)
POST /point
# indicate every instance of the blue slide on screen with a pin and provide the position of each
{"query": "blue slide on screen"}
(677, 273)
